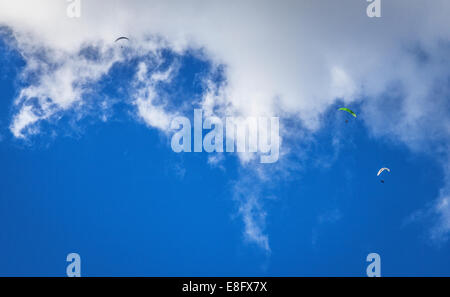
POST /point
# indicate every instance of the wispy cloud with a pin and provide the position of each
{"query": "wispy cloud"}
(247, 193)
(59, 81)
(144, 95)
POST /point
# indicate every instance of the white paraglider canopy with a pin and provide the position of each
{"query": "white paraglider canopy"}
(383, 169)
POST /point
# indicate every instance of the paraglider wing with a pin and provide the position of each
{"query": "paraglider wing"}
(383, 169)
(122, 38)
(348, 110)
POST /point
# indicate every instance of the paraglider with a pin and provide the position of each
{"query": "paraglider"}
(349, 111)
(122, 38)
(381, 171)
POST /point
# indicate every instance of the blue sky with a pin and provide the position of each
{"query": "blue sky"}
(98, 176)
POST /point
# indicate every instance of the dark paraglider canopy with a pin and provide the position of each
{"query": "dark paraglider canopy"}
(122, 38)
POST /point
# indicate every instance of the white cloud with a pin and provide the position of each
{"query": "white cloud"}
(144, 97)
(252, 213)
(440, 231)
(293, 51)
(60, 80)
(25, 118)
(153, 116)
(441, 208)
(254, 220)
(282, 58)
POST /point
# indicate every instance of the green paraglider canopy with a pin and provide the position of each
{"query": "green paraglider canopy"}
(348, 110)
